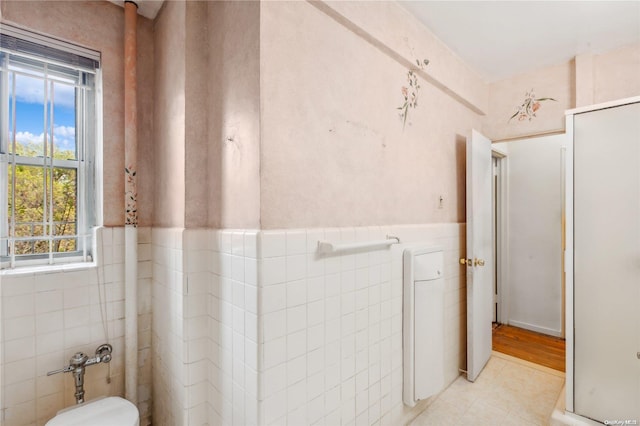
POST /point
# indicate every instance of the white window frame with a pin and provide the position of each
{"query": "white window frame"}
(88, 128)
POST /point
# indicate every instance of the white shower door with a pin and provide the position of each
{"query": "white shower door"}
(607, 264)
(479, 259)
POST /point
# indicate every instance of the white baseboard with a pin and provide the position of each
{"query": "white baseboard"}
(531, 327)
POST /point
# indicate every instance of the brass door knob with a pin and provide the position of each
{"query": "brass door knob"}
(478, 262)
(467, 262)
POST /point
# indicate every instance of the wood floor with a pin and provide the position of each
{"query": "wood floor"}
(530, 346)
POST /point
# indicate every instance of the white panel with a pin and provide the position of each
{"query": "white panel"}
(429, 337)
(423, 323)
(428, 266)
(607, 263)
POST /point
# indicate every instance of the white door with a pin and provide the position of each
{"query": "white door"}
(479, 254)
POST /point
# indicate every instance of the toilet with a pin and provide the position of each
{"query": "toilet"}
(110, 411)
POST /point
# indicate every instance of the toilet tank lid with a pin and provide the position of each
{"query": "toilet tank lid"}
(108, 411)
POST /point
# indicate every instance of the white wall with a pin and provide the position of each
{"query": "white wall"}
(534, 233)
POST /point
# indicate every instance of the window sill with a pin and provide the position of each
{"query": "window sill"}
(47, 269)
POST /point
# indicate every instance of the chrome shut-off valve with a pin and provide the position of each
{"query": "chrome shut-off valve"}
(78, 362)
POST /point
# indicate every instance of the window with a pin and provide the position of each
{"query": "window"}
(47, 143)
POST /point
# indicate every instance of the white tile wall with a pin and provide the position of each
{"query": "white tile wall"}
(48, 316)
(331, 325)
(239, 327)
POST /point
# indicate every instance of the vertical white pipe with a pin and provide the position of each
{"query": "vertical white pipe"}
(131, 213)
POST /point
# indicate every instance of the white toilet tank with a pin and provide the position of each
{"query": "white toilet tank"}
(111, 411)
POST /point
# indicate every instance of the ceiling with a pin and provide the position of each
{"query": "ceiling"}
(147, 8)
(500, 39)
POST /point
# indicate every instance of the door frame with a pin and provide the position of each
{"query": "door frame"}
(500, 234)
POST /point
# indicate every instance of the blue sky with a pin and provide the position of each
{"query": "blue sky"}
(30, 110)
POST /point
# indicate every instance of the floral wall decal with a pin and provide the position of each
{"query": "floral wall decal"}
(529, 106)
(410, 94)
(130, 197)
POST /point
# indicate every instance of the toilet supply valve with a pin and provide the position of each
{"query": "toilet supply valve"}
(78, 362)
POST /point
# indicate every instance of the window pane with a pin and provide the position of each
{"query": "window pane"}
(67, 245)
(64, 121)
(64, 201)
(29, 201)
(31, 247)
(29, 116)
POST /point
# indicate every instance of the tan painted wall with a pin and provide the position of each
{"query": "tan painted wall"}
(588, 79)
(617, 74)
(506, 95)
(169, 116)
(234, 114)
(99, 25)
(334, 152)
(196, 115)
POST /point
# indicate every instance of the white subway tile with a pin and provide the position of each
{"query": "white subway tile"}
(275, 406)
(362, 408)
(296, 344)
(313, 236)
(315, 409)
(274, 298)
(296, 395)
(296, 318)
(18, 306)
(315, 386)
(315, 336)
(273, 271)
(272, 244)
(251, 354)
(17, 349)
(20, 327)
(50, 342)
(251, 244)
(315, 313)
(298, 416)
(274, 325)
(362, 278)
(348, 303)
(296, 369)
(296, 267)
(333, 330)
(315, 289)
(237, 268)
(315, 361)
(274, 380)
(296, 241)
(332, 308)
(296, 293)
(251, 326)
(274, 352)
(251, 271)
(19, 371)
(18, 285)
(49, 322)
(315, 265)
(348, 409)
(332, 399)
(238, 294)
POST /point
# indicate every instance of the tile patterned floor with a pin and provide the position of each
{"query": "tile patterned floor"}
(508, 392)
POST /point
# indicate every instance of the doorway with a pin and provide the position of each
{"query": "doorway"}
(528, 207)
